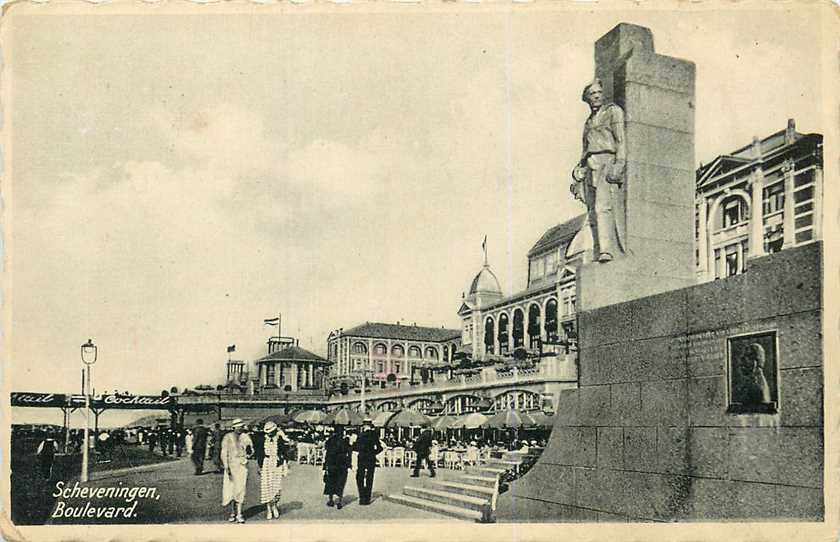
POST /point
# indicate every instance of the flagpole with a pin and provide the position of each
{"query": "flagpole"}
(279, 326)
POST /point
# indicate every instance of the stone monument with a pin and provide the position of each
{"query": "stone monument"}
(643, 226)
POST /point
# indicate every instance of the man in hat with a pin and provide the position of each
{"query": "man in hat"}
(368, 447)
(236, 447)
(423, 447)
(199, 446)
(600, 174)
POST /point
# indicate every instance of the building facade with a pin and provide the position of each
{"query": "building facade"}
(389, 354)
(538, 320)
(760, 199)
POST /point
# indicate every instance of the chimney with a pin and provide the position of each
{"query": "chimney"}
(790, 132)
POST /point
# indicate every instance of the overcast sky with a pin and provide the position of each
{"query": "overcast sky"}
(177, 179)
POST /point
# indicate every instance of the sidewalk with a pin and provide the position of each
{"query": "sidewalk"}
(186, 498)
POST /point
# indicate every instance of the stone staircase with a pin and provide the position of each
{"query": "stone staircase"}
(468, 494)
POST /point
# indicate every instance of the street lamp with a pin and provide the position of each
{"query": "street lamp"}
(88, 358)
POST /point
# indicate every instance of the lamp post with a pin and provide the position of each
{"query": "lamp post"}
(88, 358)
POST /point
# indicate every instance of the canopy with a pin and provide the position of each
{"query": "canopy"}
(408, 417)
(309, 416)
(442, 422)
(279, 419)
(382, 418)
(345, 416)
(473, 420)
(510, 418)
(543, 420)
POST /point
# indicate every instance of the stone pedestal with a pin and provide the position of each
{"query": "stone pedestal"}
(657, 95)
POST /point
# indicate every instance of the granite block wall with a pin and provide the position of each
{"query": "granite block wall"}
(647, 435)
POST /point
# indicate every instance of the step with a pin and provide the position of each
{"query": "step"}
(447, 497)
(503, 463)
(486, 481)
(466, 489)
(439, 507)
(486, 471)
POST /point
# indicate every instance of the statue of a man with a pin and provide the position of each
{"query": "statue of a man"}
(600, 173)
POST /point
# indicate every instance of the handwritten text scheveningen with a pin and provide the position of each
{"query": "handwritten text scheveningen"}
(130, 496)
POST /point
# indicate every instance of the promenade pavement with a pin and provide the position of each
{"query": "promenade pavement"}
(183, 497)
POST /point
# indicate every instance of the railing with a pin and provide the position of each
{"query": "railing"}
(557, 368)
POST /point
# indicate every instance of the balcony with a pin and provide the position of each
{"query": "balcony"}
(560, 368)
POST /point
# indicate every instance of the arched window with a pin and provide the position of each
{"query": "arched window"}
(488, 335)
(359, 348)
(551, 320)
(414, 352)
(733, 211)
(380, 349)
(397, 351)
(432, 353)
(445, 353)
(503, 333)
(534, 325)
(518, 328)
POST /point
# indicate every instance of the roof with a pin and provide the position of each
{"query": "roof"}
(377, 330)
(485, 282)
(293, 353)
(557, 235)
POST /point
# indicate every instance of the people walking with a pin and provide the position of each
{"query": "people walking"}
(188, 442)
(369, 447)
(235, 449)
(273, 468)
(217, 447)
(423, 447)
(337, 459)
(199, 446)
(46, 456)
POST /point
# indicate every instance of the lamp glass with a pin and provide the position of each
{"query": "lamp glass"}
(89, 353)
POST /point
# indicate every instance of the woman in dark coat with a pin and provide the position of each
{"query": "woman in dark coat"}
(337, 459)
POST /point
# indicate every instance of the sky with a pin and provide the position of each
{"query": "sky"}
(176, 179)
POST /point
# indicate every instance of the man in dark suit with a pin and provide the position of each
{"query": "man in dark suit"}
(423, 446)
(369, 447)
(199, 446)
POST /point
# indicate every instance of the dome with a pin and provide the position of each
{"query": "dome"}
(485, 282)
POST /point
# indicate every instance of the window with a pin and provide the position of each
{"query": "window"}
(397, 367)
(774, 198)
(537, 268)
(717, 263)
(551, 263)
(773, 240)
(359, 348)
(732, 260)
(431, 353)
(380, 366)
(380, 349)
(397, 351)
(733, 211)
(270, 374)
(414, 352)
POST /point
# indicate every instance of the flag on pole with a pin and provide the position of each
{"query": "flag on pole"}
(231, 348)
(271, 321)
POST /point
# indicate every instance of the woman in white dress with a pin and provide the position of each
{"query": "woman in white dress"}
(236, 447)
(274, 468)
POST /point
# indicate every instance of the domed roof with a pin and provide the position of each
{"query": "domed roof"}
(485, 282)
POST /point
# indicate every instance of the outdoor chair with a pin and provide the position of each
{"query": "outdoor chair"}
(387, 456)
(303, 453)
(399, 456)
(435, 456)
(452, 460)
(410, 458)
